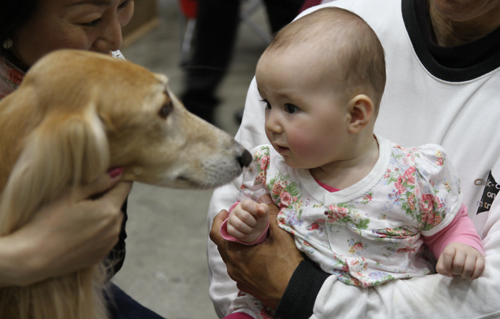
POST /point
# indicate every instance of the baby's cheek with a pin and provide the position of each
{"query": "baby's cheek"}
(304, 145)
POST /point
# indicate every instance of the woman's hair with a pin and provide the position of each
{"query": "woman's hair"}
(14, 14)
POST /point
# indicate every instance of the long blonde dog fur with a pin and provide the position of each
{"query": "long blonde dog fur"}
(76, 115)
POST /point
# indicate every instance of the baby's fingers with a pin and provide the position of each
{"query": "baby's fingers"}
(473, 266)
(461, 260)
(468, 267)
(262, 210)
(478, 268)
(235, 232)
(459, 263)
(250, 206)
(445, 262)
(468, 263)
(241, 221)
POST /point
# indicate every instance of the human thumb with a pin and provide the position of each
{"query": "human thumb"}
(272, 209)
(262, 210)
(265, 199)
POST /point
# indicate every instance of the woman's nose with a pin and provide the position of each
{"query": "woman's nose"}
(110, 38)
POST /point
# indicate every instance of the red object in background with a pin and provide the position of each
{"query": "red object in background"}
(307, 4)
(188, 8)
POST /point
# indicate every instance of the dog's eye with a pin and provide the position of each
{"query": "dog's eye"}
(166, 109)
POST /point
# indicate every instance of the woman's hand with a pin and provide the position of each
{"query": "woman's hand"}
(263, 270)
(67, 234)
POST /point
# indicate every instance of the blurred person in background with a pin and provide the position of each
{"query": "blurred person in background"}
(216, 30)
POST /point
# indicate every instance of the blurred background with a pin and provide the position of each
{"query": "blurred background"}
(165, 268)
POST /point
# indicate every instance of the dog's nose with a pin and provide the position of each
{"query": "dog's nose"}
(245, 159)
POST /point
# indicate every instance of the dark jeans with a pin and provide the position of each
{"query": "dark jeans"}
(122, 306)
(216, 29)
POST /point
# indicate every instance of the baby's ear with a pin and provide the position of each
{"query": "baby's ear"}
(361, 112)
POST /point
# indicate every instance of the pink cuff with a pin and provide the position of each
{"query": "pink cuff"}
(238, 315)
(226, 236)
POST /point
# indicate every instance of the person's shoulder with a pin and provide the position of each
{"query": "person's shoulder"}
(414, 153)
(429, 161)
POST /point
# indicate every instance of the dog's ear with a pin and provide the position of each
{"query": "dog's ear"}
(65, 149)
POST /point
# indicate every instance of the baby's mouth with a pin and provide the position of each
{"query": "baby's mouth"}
(281, 149)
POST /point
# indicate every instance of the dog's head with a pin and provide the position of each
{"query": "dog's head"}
(79, 113)
(149, 132)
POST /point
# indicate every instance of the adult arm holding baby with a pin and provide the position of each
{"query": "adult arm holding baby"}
(67, 234)
(277, 268)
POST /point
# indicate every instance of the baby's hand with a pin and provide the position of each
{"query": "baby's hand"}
(461, 260)
(247, 221)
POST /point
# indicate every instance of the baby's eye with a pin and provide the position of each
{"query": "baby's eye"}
(267, 104)
(290, 108)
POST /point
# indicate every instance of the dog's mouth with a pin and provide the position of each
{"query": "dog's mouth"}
(215, 172)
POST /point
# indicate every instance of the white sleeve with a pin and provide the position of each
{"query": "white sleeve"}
(251, 132)
(222, 289)
(439, 184)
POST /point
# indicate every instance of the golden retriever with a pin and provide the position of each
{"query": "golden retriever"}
(76, 115)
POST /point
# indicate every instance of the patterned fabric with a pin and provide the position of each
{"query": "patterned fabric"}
(370, 232)
(10, 77)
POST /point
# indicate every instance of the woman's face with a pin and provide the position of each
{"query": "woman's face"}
(72, 24)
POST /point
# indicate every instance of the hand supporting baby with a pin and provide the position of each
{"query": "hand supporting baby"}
(460, 260)
(248, 220)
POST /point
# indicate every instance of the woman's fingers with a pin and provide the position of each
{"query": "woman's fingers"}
(99, 186)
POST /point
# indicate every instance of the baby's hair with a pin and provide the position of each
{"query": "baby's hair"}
(347, 39)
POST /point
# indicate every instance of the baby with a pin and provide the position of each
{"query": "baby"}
(360, 206)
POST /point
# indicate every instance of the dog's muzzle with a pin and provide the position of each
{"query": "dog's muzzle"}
(245, 159)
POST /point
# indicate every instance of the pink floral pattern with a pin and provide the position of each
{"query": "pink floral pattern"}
(356, 247)
(423, 205)
(439, 161)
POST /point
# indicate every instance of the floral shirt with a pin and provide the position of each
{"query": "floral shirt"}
(370, 232)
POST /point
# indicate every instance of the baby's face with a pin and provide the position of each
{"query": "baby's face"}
(306, 118)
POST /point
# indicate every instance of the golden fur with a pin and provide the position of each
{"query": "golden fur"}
(76, 115)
